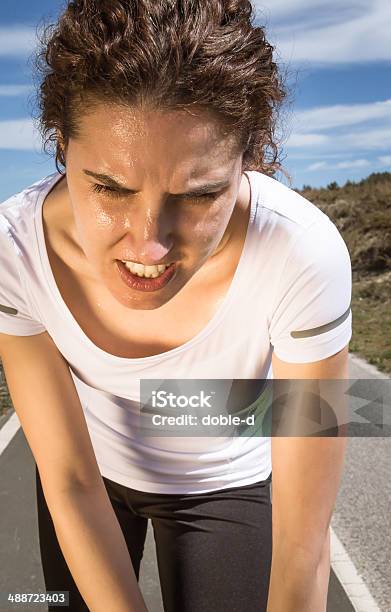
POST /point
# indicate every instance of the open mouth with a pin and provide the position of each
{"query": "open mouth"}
(146, 278)
(143, 271)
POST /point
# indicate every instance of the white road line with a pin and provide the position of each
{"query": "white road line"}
(351, 581)
(8, 431)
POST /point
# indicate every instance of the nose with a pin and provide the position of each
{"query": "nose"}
(151, 240)
(152, 252)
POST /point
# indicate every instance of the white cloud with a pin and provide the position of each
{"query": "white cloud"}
(342, 129)
(385, 160)
(341, 115)
(356, 163)
(17, 40)
(328, 31)
(287, 9)
(14, 90)
(19, 134)
(344, 165)
(307, 140)
(318, 166)
(304, 155)
(366, 140)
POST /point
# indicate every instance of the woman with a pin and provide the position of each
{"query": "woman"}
(166, 250)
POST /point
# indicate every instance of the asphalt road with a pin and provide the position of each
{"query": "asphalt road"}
(361, 520)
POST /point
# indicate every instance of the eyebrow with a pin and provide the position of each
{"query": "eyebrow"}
(110, 181)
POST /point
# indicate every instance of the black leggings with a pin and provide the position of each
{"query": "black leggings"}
(213, 549)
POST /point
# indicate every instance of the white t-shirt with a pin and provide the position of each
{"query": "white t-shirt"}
(294, 275)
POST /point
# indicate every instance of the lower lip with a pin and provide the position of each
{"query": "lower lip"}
(145, 284)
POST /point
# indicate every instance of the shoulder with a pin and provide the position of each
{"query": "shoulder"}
(284, 205)
(17, 213)
(294, 232)
(17, 235)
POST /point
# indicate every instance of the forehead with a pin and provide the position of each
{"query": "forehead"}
(116, 136)
(125, 125)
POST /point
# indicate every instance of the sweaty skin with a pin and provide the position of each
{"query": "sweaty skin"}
(158, 156)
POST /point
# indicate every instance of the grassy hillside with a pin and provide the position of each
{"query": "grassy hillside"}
(362, 213)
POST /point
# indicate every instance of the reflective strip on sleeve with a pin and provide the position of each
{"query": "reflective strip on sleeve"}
(8, 310)
(306, 333)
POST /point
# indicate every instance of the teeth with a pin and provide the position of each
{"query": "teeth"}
(145, 271)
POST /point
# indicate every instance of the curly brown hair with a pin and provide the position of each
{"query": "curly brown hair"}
(168, 54)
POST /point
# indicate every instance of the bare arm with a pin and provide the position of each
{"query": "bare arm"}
(48, 406)
(306, 478)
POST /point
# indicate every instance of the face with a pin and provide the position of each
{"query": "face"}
(148, 212)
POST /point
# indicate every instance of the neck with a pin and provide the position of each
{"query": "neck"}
(223, 243)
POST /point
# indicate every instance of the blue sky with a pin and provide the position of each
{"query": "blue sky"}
(337, 127)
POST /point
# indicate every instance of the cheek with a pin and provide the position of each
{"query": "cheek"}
(212, 224)
(99, 217)
(96, 221)
(94, 227)
(103, 220)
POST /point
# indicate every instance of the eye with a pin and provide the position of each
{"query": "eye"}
(114, 193)
(205, 196)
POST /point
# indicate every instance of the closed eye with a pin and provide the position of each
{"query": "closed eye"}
(116, 193)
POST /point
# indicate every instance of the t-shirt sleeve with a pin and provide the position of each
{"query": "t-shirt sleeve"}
(311, 317)
(15, 314)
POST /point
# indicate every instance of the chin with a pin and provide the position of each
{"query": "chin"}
(145, 300)
(142, 300)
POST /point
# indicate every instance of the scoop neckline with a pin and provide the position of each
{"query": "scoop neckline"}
(47, 185)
